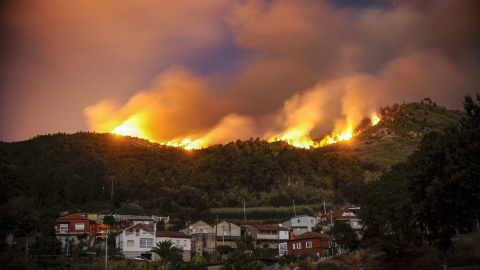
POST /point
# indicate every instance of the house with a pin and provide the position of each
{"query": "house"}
(100, 231)
(347, 215)
(203, 237)
(300, 224)
(227, 233)
(180, 241)
(136, 240)
(267, 234)
(197, 227)
(311, 243)
(72, 229)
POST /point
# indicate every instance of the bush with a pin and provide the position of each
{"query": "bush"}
(331, 266)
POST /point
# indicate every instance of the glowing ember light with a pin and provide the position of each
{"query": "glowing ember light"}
(375, 120)
(131, 127)
(295, 136)
(186, 144)
(304, 142)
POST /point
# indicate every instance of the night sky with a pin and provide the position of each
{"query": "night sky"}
(227, 70)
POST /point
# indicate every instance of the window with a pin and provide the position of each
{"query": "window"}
(146, 242)
(309, 244)
(299, 245)
(137, 232)
(79, 226)
(129, 243)
(293, 246)
(63, 228)
(144, 231)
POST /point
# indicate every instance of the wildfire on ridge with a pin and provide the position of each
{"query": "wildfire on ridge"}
(132, 127)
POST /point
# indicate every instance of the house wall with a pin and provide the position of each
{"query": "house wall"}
(75, 226)
(318, 248)
(130, 251)
(198, 227)
(203, 242)
(252, 232)
(230, 229)
(185, 244)
(301, 224)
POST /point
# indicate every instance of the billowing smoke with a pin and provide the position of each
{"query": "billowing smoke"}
(308, 67)
(218, 70)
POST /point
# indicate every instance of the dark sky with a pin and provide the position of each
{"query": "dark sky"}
(224, 70)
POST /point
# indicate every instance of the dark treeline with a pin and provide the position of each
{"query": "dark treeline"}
(430, 197)
(68, 171)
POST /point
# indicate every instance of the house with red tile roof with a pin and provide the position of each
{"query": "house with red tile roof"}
(314, 243)
(72, 229)
(180, 240)
(136, 240)
(139, 239)
(348, 215)
(267, 234)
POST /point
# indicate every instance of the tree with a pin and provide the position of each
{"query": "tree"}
(445, 183)
(434, 193)
(165, 250)
(240, 260)
(109, 220)
(48, 245)
(345, 237)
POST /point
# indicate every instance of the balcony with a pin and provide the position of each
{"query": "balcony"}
(267, 237)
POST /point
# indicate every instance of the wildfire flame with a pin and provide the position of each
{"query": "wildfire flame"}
(132, 127)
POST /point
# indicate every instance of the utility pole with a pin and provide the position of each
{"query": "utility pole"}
(294, 211)
(106, 249)
(111, 195)
(244, 212)
(216, 231)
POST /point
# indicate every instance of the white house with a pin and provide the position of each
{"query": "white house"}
(137, 240)
(179, 239)
(300, 224)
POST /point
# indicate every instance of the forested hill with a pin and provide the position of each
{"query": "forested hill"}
(77, 171)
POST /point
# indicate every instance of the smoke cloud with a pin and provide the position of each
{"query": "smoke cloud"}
(221, 71)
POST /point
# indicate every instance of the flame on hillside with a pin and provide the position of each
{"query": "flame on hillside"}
(306, 142)
(132, 127)
(178, 110)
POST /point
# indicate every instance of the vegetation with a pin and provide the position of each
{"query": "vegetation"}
(416, 174)
(166, 250)
(432, 195)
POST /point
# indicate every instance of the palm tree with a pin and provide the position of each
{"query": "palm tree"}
(165, 249)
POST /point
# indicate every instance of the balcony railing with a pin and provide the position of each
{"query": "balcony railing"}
(267, 237)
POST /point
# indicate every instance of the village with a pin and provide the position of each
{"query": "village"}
(135, 236)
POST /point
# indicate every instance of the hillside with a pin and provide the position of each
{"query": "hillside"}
(110, 173)
(397, 134)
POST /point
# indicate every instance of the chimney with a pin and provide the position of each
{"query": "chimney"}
(291, 236)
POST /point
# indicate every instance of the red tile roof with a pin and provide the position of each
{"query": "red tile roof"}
(314, 235)
(269, 228)
(139, 226)
(172, 234)
(338, 214)
(73, 217)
